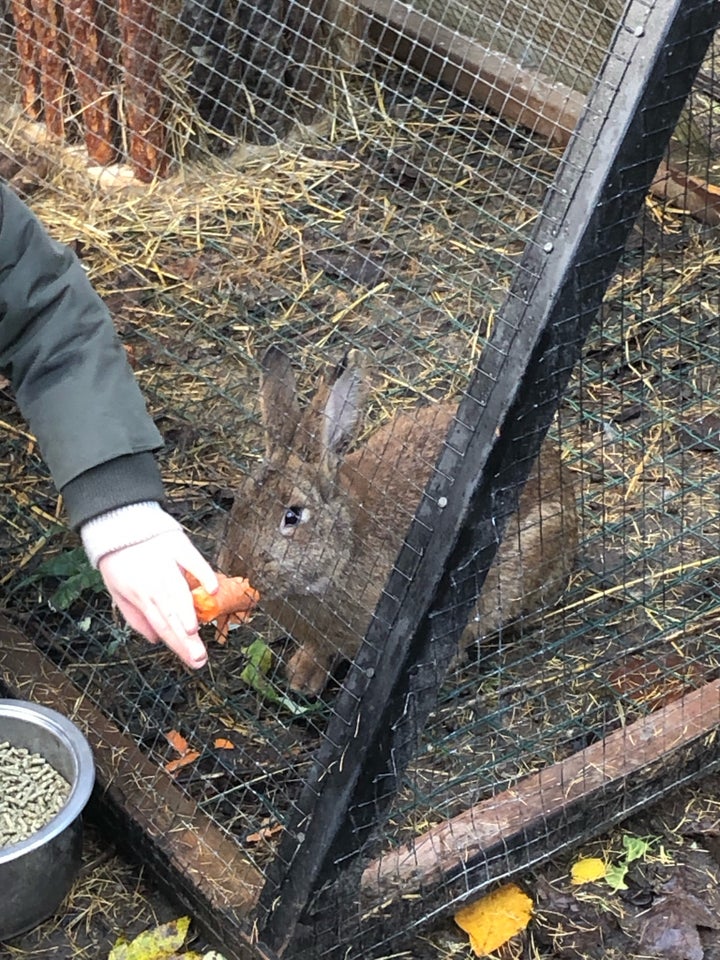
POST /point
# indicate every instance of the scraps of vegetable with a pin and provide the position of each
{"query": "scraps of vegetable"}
(234, 596)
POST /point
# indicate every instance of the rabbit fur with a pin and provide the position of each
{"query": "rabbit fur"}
(317, 529)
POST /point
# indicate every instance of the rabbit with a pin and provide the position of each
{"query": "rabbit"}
(317, 529)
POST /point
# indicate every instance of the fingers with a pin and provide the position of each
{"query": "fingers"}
(171, 614)
(193, 561)
(135, 619)
(172, 629)
(148, 585)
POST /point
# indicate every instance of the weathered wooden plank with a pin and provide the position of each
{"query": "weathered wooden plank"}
(145, 813)
(89, 48)
(524, 808)
(51, 49)
(547, 109)
(26, 41)
(550, 110)
(144, 96)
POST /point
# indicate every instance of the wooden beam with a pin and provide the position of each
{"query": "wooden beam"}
(600, 769)
(526, 98)
(549, 110)
(142, 809)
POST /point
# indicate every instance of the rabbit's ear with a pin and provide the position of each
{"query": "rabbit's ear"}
(344, 408)
(278, 402)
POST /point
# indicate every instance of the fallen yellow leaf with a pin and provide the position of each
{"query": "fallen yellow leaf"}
(493, 920)
(587, 870)
(161, 943)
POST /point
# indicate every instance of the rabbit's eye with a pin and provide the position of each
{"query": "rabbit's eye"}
(291, 518)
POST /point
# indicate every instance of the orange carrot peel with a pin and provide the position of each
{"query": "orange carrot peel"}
(232, 602)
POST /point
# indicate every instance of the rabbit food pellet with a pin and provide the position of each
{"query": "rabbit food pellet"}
(31, 793)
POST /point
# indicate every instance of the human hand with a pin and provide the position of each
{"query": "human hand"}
(147, 582)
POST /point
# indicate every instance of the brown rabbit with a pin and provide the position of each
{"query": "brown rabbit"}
(317, 530)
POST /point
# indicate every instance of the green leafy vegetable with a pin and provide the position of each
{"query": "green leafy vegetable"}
(256, 675)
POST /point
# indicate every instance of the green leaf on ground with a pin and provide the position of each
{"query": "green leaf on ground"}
(635, 847)
(615, 876)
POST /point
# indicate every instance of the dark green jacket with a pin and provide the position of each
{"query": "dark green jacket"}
(72, 381)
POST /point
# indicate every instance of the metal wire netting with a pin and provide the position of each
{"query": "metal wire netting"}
(327, 179)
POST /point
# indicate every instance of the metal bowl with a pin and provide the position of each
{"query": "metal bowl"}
(36, 874)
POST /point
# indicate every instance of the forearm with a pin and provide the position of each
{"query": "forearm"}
(76, 389)
(60, 351)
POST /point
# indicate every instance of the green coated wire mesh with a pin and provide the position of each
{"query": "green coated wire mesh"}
(330, 177)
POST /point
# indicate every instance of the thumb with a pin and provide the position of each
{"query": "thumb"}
(190, 559)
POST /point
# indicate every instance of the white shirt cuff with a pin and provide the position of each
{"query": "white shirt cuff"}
(125, 527)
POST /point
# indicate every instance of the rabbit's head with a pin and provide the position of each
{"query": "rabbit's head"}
(291, 528)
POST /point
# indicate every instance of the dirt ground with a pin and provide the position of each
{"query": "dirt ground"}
(666, 903)
(110, 898)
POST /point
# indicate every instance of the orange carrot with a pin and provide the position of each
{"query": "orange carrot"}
(264, 833)
(225, 621)
(190, 757)
(222, 627)
(177, 741)
(233, 597)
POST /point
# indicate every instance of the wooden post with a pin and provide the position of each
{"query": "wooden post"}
(28, 56)
(143, 97)
(90, 56)
(51, 46)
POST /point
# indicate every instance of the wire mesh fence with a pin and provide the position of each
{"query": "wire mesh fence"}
(356, 258)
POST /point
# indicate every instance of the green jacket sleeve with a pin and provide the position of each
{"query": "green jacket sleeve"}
(72, 381)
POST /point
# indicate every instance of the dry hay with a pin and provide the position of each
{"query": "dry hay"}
(312, 246)
(109, 900)
(375, 235)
